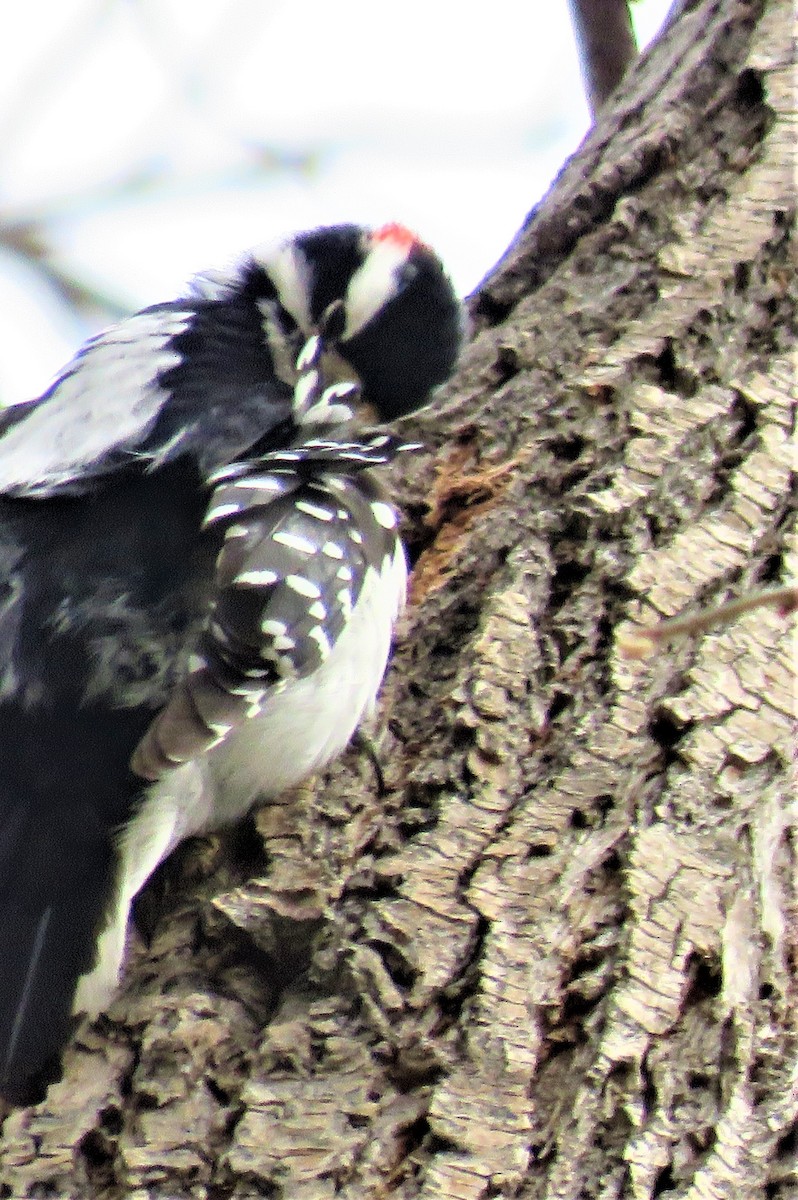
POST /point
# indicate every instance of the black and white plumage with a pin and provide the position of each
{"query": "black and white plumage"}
(199, 579)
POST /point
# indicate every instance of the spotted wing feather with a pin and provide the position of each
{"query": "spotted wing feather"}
(290, 572)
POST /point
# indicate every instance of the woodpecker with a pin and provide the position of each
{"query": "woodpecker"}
(199, 579)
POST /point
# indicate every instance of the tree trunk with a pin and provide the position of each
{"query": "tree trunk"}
(557, 958)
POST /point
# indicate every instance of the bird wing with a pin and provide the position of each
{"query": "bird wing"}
(192, 377)
(302, 529)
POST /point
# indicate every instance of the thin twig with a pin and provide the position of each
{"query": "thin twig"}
(642, 640)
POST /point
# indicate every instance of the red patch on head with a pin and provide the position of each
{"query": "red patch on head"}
(399, 235)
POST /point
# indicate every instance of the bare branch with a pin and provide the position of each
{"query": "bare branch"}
(607, 46)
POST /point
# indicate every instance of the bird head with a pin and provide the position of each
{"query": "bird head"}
(381, 303)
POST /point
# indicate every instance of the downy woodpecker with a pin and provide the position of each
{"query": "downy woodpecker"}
(199, 578)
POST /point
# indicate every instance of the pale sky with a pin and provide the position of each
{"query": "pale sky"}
(156, 138)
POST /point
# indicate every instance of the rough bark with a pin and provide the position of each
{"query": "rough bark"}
(557, 959)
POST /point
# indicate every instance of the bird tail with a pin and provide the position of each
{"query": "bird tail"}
(47, 942)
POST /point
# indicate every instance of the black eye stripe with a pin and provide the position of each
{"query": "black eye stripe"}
(333, 321)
